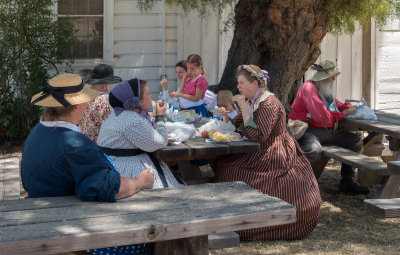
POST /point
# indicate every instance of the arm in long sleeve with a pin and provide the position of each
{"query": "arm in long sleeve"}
(268, 115)
(342, 106)
(95, 179)
(143, 136)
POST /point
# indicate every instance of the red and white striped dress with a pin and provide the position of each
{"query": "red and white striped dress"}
(279, 169)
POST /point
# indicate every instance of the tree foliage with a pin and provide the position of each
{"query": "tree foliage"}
(345, 15)
(32, 42)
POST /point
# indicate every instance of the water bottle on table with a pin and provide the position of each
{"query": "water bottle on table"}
(215, 116)
(175, 116)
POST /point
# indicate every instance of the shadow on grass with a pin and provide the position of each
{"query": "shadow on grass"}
(344, 227)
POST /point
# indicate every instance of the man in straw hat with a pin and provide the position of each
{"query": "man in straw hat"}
(316, 105)
(57, 160)
(101, 79)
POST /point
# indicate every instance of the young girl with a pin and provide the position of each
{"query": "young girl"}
(193, 87)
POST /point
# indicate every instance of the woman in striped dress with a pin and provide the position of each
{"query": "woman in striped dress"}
(279, 169)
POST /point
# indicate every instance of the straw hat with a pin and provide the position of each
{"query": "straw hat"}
(64, 90)
(324, 70)
(103, 74)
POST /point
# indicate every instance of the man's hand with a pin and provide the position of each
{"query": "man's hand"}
(146, 179)
(349, 111)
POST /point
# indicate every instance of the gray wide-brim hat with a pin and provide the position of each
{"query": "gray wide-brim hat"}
(324, 70)
(103, 74)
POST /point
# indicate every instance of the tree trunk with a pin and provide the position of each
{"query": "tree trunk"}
(282, 37)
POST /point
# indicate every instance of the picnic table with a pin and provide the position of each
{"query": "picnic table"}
(178, 219)
(373, 171)
(199, 148)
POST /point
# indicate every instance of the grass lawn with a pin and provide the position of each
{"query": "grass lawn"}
(344, 226)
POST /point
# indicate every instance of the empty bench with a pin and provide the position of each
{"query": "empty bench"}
(177, 219)
(391, 170)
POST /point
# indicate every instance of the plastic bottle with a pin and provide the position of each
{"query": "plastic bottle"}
(362, 103)
(161, 96)
(175, 103)
(215, 116)
(175, 116)
(154, 108)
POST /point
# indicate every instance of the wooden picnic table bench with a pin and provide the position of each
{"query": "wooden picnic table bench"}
(178, 219)
(374, 171)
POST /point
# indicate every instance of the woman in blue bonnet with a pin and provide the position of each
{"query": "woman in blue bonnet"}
(130, 137)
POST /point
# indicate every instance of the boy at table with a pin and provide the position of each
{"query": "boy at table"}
(225, 105)
(316, 105)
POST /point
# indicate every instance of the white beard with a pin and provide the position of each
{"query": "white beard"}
(326, 88)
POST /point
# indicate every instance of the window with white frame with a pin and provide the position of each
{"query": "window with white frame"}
(88, 18)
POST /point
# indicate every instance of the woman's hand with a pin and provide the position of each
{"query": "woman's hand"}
(161, 108)
(146, 179)
(164, 84)
(174, 94)
(241, 101)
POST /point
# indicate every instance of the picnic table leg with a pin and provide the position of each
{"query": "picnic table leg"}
(186, 246)
(319, 165)
(390, 187)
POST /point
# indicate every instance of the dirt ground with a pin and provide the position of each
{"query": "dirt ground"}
(344, 227)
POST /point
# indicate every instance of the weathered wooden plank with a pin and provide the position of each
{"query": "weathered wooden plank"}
(387, 123)
(199, 147)
(89, 210)
(375, 126)
(134, 226)
(223, 240)
(360, 161)
(244, 146)
(394, 167)
(197, 192)
(188, 246)
(174, 151)
(385, 208)
(390, 187)
(9, 178)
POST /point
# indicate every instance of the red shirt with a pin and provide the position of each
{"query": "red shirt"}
(308, 100)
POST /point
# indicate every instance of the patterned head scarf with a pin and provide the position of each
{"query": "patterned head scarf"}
(126, 96)
(261, 75)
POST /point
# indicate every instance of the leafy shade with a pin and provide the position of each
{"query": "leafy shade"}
(345, 15)
(32, 44)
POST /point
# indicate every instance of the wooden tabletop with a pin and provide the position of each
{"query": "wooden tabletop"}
(199, 147)
(62, 224)
(387, 123)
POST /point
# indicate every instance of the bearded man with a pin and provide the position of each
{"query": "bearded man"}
(316, 105)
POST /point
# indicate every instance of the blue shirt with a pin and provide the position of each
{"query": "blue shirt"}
(57, 161)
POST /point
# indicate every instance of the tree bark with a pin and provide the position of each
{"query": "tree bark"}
(280, 36)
